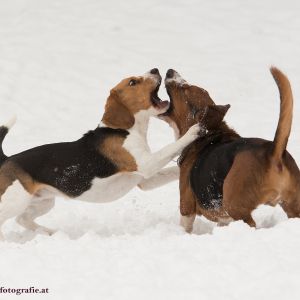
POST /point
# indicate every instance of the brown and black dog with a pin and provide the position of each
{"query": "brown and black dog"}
(224, 176)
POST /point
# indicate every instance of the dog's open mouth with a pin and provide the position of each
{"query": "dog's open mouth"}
(157, 102)
(170, 107)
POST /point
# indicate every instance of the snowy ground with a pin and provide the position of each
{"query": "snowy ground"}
(58, 60)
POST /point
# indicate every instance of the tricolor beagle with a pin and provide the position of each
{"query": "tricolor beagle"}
(222, 175)
(101, 166)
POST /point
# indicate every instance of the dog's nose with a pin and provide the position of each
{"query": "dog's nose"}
(170, 73)
(154, 71)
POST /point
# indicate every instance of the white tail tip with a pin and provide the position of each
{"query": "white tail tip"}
(11, 122)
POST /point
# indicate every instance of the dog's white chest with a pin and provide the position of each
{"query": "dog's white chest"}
(110, 188)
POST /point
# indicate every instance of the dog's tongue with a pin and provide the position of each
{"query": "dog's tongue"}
(158, 103)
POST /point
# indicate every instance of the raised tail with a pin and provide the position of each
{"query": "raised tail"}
(286, 114)
(3, 132)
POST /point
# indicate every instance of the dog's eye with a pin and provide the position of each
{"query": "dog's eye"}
(132, 82)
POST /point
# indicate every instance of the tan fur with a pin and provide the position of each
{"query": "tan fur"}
(286, 113)
(125, 101)
(187, 199)
(117, 115)
(10, 172)
(7, 177)
(112, 148)
(182, 116)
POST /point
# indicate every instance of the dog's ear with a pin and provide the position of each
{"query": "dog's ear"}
(214, 115)
(116, 114)
(221, 110)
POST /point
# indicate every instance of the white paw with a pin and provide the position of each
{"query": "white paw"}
(187, 222)
(195, 131)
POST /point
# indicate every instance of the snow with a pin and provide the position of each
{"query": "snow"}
(58, 61)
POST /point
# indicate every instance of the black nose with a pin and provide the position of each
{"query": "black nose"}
(170, 73)
(154, 71)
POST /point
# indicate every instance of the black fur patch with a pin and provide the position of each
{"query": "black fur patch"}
(3, 133)
(70, 167)
(212, 166)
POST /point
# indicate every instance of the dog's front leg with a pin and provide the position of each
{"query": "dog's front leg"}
(163, 177)
(152, 163)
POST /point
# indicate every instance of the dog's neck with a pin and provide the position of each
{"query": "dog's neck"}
(141, 123)
(222, 133)
(225, 131)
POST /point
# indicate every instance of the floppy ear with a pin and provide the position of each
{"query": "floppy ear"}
(214, 115)
(116, 114)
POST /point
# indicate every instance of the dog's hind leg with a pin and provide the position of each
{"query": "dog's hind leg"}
(163, 177)
(291, 204)
(13, 202)
(38, 206)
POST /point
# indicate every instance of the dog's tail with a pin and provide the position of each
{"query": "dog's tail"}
(3, 132)
(286, 114)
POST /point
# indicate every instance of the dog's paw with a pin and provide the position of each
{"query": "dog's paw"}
(196, 131)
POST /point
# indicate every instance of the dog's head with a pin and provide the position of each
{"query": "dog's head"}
(132, 95)
(190, 104)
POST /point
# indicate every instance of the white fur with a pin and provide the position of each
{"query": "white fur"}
(150, 163)
(11, 122)
(153, 77)
(110, 188)
(39, 205)
(13, 202)
(175, 130)
(187, 222)
(163, 177)
(102, 189)
(176, 78)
